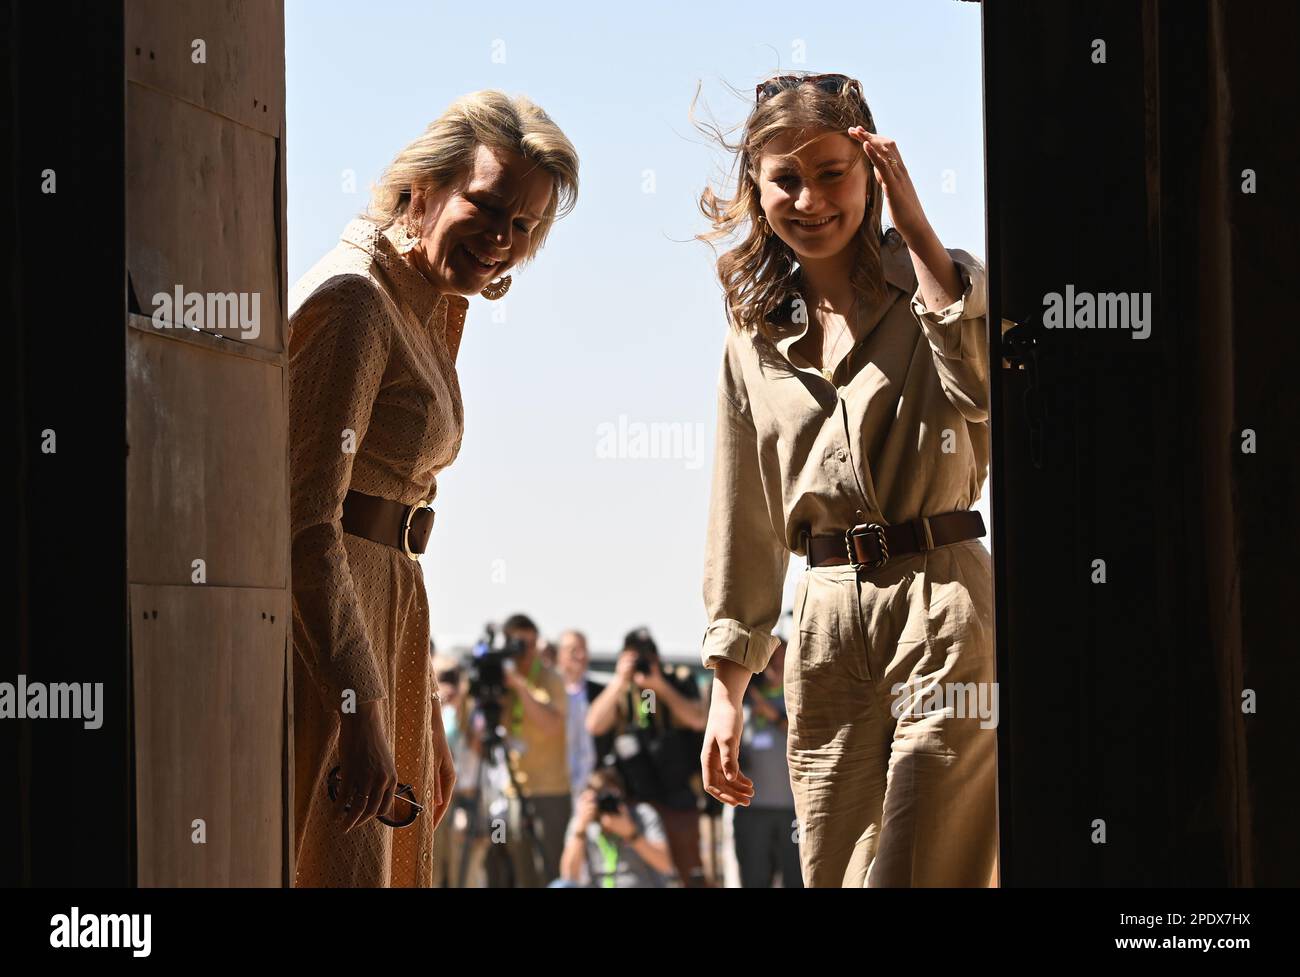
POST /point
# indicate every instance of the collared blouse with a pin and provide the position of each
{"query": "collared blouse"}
(904, 434)
(375, 406)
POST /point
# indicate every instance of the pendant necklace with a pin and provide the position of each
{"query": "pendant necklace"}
(829, 374)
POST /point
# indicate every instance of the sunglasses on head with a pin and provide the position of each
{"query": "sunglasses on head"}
(832, 84)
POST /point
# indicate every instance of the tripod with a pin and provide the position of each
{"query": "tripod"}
(496, 754)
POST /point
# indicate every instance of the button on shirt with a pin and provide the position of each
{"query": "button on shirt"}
(905, 434)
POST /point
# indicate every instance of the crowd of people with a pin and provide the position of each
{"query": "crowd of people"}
(567, 781)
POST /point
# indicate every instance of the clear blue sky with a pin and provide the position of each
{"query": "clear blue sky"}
(619, 321)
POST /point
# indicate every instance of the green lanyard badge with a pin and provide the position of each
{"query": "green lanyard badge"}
(517, 713)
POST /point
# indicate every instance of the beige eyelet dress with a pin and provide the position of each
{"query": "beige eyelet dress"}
(374, 405)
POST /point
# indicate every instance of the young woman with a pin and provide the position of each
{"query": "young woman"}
(853, 431)
(375, 414)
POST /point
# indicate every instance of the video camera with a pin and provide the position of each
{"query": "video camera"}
(609, 801)
(487, 670)
(646, 650)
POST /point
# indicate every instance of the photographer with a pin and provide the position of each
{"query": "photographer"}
(613, 844)
(656, 719)
(533, 712)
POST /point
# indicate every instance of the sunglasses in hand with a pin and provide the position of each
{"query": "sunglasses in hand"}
(405, 794)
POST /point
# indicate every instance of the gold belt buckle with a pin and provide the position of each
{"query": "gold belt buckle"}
(406, 528)
(879, 532)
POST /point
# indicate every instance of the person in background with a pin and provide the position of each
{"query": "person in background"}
(464, 742)
(572, 657)
(765, 830)
(614, 843)
(656, 719)
(535, 711)
(547, 651)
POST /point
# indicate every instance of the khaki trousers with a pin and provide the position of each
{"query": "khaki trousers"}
(892, 703)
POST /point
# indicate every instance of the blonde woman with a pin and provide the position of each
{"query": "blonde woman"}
(375, 415)
(853, 432)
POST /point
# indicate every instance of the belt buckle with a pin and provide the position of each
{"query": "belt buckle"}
(406, 528)
(879, 531)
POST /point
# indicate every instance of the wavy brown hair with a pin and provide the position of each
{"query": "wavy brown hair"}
(759, 273)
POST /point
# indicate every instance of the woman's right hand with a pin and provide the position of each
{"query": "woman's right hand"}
(368, 773)
(720, 760)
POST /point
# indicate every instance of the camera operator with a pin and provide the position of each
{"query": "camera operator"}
(614, 844)
(657, 720)
(534, 712)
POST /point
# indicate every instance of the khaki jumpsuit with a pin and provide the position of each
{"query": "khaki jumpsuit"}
(893, 785)
(374, 405)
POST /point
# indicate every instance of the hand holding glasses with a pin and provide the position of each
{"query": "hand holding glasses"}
(405, 794)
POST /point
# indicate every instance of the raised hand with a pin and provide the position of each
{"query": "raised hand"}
(905, 211)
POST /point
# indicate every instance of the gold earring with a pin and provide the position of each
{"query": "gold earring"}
(495, 290)
(410, 234)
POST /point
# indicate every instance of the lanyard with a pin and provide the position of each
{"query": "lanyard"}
(643, 712)
(517, 714)
(609, 851)
(638, 708)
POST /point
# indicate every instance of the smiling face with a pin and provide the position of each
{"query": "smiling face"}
(813, 195)
(478, 230)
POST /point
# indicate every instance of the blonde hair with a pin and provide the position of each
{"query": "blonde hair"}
(443, 155)
(758, 274)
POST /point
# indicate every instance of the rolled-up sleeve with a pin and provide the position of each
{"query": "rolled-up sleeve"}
(338, 352)
(745, 561)
(958, 338)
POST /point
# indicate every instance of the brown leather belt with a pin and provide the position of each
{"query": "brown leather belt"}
(869, 546)
(403, 527)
